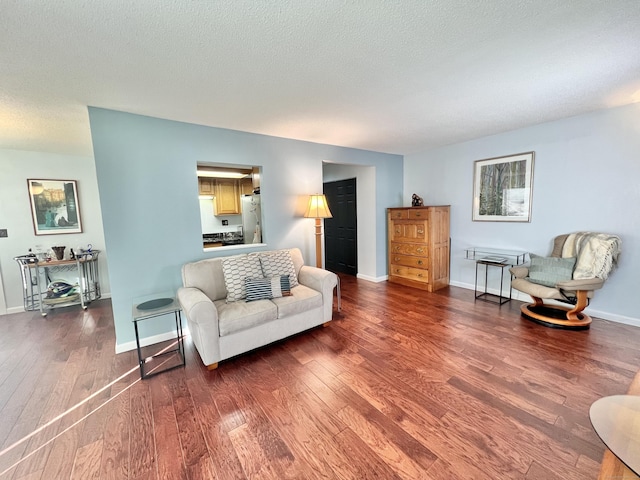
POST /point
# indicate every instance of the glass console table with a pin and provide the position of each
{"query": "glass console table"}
(496, 258)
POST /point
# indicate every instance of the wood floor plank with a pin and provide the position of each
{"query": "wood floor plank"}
(320, 447)
(57, 465)
(86, 465)
(116, 451)
(194, 448)
(225, 462)
(254, 460)
(170, 462)
(56, 404)
(142, 459)
(380, 444)
(401, 384)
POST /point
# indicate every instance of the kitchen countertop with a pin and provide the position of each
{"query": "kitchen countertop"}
(222, 239)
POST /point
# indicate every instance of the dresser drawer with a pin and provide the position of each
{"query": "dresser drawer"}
(408, 231)
(408, 261)
(417, 214)
(400, 214)
(416, 274)
(409, 249)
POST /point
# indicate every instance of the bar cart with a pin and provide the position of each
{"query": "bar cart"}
(37, 274)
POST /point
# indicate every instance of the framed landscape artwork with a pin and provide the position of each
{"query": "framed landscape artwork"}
(54, 206)
(502, 188)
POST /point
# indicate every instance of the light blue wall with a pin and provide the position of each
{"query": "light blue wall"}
(146, 169)
(586, 177)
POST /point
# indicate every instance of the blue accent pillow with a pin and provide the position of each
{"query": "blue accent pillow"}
(549, 271)
(266, 288)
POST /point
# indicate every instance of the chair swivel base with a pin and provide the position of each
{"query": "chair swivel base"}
(554, 316)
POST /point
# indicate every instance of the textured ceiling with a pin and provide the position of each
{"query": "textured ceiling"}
(393, 76)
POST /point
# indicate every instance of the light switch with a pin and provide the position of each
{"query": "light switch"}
(3, 232)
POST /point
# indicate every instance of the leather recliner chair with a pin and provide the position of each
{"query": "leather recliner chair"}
(578, 266)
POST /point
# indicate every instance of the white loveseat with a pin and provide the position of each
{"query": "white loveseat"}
(221, 329)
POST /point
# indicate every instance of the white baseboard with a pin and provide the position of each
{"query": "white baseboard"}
(162, 337)
(523, 297)
(11, 310)
(372, 279)
(614, 317)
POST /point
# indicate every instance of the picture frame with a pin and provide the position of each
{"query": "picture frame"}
(55, 207)
(503, 188)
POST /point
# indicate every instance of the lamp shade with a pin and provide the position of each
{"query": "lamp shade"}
(318, 207)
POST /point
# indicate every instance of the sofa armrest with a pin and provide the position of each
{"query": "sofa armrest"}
(202, 318)
(519, 272)
(322, 281)
(197, 307)
(582, 284)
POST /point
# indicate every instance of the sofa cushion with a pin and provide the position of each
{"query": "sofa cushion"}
(549, 271)
(241, 315)
(261, 288)
(235, 270)
(279, 262)
(301, 300)
(205, 275)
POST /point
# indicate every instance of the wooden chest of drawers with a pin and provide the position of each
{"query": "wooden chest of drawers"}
(418, 242)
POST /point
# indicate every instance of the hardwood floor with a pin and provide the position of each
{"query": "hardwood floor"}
(403, 384)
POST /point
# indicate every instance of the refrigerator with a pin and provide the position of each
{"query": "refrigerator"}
(251, 218)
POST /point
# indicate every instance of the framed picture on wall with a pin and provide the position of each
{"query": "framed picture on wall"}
(502, 188)
(55, 208)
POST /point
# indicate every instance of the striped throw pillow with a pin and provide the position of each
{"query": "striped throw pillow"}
(265, 288)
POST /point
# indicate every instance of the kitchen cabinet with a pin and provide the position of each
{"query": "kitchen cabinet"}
(246, 186)
(205, 186)
(227, 196)
(419, 246)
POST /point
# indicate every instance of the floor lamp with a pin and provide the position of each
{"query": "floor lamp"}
(318, 209)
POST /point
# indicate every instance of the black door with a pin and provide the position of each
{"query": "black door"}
(340, 232)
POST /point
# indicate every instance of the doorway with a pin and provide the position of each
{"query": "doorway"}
(341, 231)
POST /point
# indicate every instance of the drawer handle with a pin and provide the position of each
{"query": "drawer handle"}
(397, 259)
(420, 275)
(420, 231)
(397, 270)
(419, 262)
(397, 229)
(396, 249)
(420, 250)
(418, 214)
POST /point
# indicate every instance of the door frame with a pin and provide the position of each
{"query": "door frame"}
(3, 302)
(366, 199)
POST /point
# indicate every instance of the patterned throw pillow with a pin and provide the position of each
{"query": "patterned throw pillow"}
(235, 270)
(261, 288)
(549, 271)
(279, 263)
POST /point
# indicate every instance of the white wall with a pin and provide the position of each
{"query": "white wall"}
(586, 177)
(15, 214)
(213, 224)
(146, 169)
(365, 199)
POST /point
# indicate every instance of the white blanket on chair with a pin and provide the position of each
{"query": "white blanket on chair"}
(597, 253)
